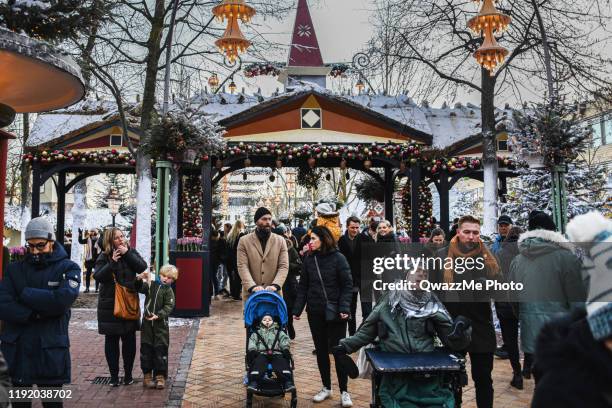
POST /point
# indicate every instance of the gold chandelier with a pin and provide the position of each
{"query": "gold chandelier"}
(233, 42)
(489, 22)
(229, 9)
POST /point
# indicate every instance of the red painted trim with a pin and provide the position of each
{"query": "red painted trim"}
(3, 159)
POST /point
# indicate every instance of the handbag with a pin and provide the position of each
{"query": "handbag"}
(127, 303)
(332, 313)
(364, 366)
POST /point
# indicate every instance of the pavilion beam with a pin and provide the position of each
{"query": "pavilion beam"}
(389, 195)
(35, 189)
(503, 188)
(443, 193)
(61, 206)
(415, 181)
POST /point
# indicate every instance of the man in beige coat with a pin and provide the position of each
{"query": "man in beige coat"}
(263, 262)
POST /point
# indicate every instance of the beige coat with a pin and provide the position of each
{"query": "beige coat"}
(257, 268)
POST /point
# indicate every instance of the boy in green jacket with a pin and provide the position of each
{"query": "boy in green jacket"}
(155, 333)
(269, 346)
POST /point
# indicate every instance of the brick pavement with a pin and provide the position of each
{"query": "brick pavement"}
(217, 368)
(88, 362)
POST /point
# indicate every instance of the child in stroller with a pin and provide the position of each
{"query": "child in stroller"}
(268, 360)
(269, 355)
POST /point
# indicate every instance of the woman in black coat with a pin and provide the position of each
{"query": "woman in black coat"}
(118, 262)
(325, 266)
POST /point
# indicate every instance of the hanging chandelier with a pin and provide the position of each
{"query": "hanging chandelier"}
(229, 9)
(233, 43)
(489, 22)
(213, 81)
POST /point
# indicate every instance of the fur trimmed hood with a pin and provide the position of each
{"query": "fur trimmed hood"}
(539, 241)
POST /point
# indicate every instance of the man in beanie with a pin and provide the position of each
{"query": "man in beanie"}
(550, 273)
(263, 262)
(574, 353)
(35, 299)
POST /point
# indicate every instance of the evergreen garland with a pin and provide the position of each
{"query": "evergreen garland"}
(309, 177)
(425, 209)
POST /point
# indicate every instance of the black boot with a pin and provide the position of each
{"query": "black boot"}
(517, 381)
(288, 386)
(527, 372)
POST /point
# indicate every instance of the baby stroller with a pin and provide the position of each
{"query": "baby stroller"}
(257, 306)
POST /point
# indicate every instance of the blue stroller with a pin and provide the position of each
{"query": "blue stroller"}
(257, 306)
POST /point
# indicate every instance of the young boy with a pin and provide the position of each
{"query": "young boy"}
(270, 345)
(155, 334)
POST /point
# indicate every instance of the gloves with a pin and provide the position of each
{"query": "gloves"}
(339, 350)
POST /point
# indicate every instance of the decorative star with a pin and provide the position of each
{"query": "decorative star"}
(304, 30)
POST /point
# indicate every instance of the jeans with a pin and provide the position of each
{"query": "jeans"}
(325, 335)
(88, 272)
(510, 331)
(366, 309)
(482, 366)
(128, 350)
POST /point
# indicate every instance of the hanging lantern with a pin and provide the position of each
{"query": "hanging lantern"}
(279, 163)
(489, 17)
(233, 42)
(219, 164)
(245, 176)
(247, 162)
(213, 81)
(490, 54)
(229, 9)
(328, 177)
(360, 85)
(347, 176)
(312, 162)
(232, 86)
(403, 167)
(489, 22)
(272, 178)
(367, 164)
(343, 164)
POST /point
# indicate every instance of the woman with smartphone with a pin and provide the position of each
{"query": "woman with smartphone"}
(117, 263)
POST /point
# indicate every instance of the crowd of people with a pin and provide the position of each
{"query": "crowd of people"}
(565, 336)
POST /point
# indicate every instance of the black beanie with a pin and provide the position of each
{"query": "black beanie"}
(261, 211)
(541, 220)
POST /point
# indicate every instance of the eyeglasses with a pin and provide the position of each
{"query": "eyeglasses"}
(40, 246)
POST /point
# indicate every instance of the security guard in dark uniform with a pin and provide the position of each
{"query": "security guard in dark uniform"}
(35, 299)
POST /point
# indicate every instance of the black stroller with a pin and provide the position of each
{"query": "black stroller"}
(258, 305)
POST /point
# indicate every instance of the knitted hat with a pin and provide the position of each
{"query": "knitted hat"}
(594, 231)
(541, 220)
(39, 228)
(325, 209)
(261, 211)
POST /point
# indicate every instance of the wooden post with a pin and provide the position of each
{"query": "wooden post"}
(35, 189)
(443, 192)
(206, 225)
(61, 207)
(415, 181)
(389, 195)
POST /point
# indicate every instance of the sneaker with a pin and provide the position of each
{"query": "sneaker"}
(517, 381)
(346, 399)
(128, 380)
(322, 395)
(527, 373)
(114, 382)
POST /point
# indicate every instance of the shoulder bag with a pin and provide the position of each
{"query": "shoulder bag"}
(127, 303)
(332, 313)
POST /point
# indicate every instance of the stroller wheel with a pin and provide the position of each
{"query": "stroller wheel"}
(249, 401)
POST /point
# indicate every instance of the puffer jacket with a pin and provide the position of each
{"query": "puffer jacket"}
(268, 335)
(124, 271)
(403, 335)
(336, 275)
(551, 278)
(35, 306)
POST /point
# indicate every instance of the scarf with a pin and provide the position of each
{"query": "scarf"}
(415, 303)
(480, 250)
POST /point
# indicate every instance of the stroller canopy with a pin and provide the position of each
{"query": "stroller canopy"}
(263, 303)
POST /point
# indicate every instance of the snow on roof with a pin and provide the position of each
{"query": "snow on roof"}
(447, 125)
(52, 125)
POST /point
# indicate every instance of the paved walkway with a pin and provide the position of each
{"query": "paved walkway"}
(217, 368)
